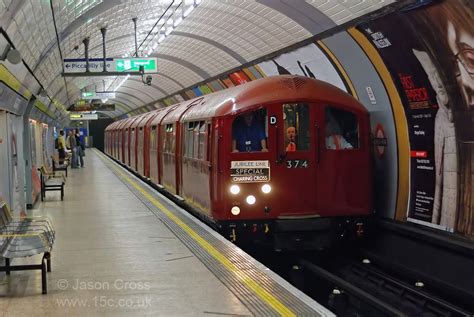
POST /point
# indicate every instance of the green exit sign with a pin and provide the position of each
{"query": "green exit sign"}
(88, 94)
(133, 65)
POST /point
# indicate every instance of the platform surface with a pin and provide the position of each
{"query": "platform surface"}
(122, 249)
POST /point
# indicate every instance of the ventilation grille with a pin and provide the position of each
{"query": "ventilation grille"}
(294, 82)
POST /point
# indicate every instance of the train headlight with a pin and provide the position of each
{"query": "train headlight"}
(266, 188)
(251, 199)
(235, 211)
(235, 189)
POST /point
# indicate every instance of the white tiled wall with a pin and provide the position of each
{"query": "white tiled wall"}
(246, 27)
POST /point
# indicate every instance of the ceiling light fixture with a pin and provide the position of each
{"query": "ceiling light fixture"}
(188, 11)
(122, 82)
(178, 21)
(169, 30)
(169, 26)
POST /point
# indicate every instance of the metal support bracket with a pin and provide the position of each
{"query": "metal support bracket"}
(102, 74)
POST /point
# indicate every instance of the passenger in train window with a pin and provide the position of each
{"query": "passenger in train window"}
(248, 134)
(334, 132)
(296, 122)
(291, 135)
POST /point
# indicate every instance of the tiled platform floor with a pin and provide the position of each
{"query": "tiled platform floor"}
(113, 256)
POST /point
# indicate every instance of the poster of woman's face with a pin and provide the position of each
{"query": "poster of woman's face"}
(461, 43)
(447, 29)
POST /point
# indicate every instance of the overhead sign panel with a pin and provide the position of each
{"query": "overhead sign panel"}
(133, 64)
(88, 95)
(78, 65)
(84, 116)
(80, 106)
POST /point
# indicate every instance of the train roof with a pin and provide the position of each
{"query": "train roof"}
(184, 108)
(147, 117)
(232, 101)
(163, 112)
(283, 88)
(142, 119)
(112, 125)
(129, 121)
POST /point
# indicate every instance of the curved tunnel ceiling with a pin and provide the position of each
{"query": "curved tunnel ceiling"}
(217, 36)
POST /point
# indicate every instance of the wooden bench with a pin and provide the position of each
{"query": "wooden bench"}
(60, 166)
(25, 237)
(50, 181)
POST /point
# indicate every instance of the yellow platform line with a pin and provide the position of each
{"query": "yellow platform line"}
(268, 298)
(14, 235)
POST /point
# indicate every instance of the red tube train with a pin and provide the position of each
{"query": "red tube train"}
(284, 159)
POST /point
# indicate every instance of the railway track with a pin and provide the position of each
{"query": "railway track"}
(385, 285)
(362, 289)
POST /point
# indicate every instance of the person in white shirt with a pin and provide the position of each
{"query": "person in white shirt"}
(334, 138)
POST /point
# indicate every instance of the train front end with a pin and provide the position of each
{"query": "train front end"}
(295, 173)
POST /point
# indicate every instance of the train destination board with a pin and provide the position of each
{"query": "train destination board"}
(250, 171)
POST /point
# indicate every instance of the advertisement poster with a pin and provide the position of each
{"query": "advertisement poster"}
(429, 52)
(306, 61)
(420, 107)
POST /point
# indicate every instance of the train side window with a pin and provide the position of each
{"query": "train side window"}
(297, 132)
(196, 139)
(208, 140)
(342, 129)
(202, 140)
(152, 138)
(169, 139)
(189, 140)
(249, 133)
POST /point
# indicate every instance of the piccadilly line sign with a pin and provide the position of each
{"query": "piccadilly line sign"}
(78, 65)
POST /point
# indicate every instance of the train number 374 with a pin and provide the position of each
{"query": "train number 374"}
(297, 164)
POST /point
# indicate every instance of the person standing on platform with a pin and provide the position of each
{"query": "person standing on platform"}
(80, 153)
(73, 145)
(61, 146)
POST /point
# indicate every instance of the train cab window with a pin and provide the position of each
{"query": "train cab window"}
(296, 119)
(249, 132)
(342, 129)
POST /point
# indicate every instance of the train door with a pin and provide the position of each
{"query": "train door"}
(139, 167)
(153, 154)
(126, 147)
(133, 149)
(293, 175)
(343, 182)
